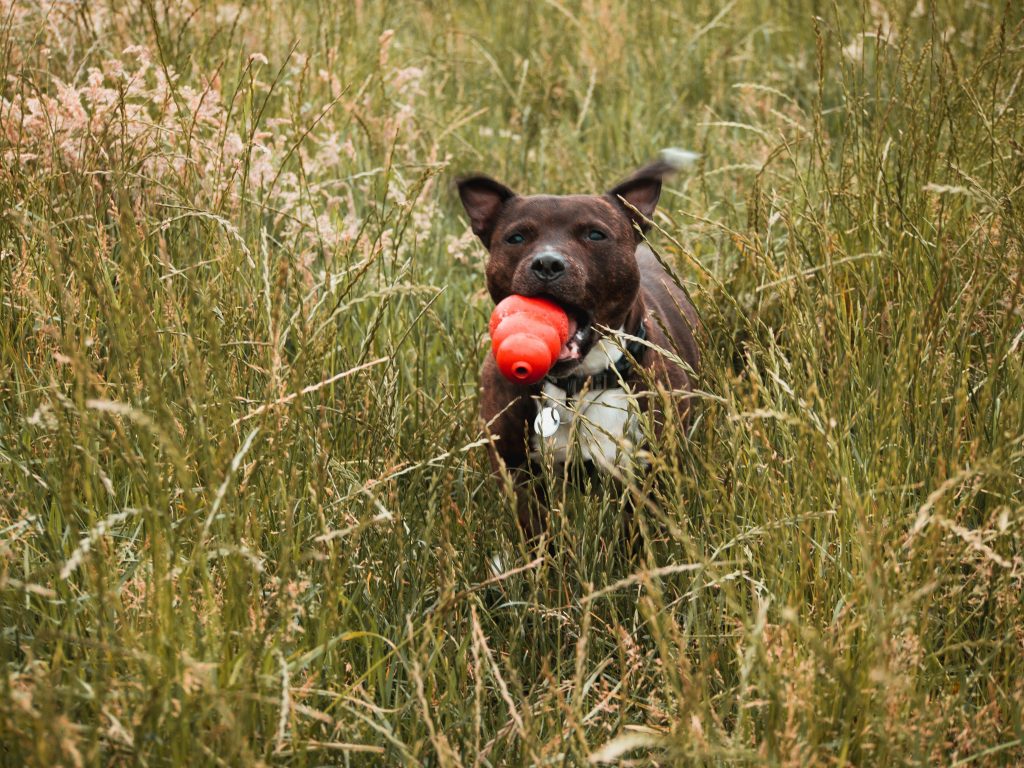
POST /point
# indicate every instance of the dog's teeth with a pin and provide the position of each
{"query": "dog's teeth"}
(570, 350)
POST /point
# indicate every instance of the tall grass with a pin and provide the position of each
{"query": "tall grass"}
(246, 513)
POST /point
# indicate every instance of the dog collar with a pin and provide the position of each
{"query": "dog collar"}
(611, 376)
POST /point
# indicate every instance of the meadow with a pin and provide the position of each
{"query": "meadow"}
(246, 513)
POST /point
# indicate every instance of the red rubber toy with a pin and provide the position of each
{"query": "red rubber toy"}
(527, 335)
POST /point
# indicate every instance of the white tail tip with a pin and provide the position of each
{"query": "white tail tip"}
(679, 159)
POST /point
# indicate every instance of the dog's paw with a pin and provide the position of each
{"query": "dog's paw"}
(496, 564)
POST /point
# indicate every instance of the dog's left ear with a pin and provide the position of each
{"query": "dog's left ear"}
(641, 191)
(483, 198)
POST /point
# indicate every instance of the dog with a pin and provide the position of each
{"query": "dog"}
(628, 321)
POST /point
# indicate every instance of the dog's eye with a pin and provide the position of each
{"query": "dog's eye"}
(515, 239)
(596, 234)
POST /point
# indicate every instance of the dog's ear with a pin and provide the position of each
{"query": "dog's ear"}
(641, 192)
(483, 198)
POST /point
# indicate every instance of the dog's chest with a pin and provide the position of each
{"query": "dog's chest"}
(599, 425)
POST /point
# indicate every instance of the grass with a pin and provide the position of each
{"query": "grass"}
(245, 513)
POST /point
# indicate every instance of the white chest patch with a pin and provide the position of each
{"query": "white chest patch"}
(599, 426)
(605, 354)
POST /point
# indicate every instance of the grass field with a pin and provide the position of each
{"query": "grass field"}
(245, 510)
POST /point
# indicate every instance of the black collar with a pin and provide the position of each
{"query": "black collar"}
(612, 376)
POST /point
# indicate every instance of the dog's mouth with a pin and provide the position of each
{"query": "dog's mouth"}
(577, 344)
(580, 341)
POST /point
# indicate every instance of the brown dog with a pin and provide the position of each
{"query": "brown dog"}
(584, 252)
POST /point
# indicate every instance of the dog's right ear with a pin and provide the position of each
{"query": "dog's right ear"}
(641, 191)
(483, 198)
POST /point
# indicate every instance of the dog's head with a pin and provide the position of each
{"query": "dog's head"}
(577, 250)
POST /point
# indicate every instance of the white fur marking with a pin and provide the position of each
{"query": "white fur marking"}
(496, 564)
(605, 354)
(601, 425)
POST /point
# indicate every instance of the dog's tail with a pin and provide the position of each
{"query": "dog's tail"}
(670, 161)
(678, 159)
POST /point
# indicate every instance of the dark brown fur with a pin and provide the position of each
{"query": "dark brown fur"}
(614, 282)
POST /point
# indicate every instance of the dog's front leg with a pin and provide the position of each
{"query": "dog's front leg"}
(507, 411)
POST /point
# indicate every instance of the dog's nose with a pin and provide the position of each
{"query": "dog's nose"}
(548, 266)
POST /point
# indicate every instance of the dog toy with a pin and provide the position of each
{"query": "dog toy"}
(527, 335)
